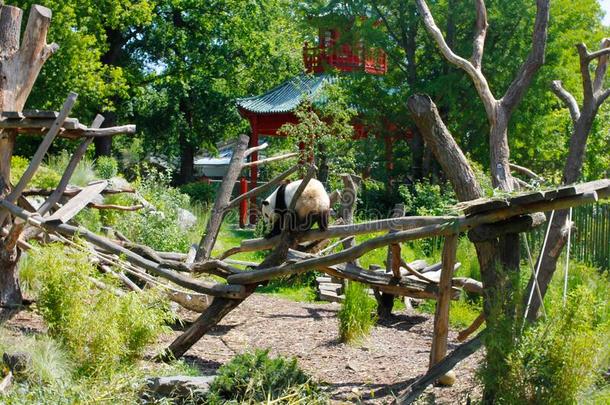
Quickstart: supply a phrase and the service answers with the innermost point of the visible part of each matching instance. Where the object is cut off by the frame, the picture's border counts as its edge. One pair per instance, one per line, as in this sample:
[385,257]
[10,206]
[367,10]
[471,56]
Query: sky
[606,7]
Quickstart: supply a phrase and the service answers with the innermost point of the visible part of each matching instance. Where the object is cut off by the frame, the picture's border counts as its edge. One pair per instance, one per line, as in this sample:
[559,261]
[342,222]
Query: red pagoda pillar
[253,177]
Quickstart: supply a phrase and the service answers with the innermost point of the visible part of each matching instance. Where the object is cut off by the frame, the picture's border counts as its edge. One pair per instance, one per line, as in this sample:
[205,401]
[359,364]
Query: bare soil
[393,356]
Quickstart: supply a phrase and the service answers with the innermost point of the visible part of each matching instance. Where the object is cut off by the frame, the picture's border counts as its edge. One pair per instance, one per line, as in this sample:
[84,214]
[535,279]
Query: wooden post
[222,200]
[243,205]
[441,316]
[253,177]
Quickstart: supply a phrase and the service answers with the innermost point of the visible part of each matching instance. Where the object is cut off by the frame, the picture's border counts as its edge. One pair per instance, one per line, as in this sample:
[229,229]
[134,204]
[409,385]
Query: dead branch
[413,391]
[271,159]
[463,335]
[115,207]
[69,230]
[222,200]
[525,171]
[258,148]
[261,189]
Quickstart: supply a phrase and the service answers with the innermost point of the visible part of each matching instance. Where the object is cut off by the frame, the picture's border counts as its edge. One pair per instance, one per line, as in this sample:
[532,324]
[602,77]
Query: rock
[118,183]
[179,386]
[186,219]
[448,379]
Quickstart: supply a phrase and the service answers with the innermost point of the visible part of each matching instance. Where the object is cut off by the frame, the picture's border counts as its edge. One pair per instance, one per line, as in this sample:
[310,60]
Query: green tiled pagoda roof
[287,96]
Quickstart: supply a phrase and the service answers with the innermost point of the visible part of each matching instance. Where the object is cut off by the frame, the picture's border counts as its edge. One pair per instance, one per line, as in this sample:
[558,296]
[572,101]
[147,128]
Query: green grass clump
[253,378]
[44,177]
[356,314]
[106,167]
[83,174]
[100,330]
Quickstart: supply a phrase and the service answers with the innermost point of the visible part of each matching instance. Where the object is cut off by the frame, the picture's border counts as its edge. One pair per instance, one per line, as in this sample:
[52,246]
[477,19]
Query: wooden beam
[77,203]
[40,153]
[413,391]
[67,175]
[222,200]
[441,316]
[519,224]
[217,290]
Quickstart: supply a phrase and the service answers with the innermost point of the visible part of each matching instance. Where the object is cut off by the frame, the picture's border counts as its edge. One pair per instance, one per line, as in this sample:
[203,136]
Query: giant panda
[313,206]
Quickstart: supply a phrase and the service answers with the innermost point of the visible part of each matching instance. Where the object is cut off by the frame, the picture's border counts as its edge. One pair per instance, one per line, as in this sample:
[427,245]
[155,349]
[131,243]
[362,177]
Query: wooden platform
[37,122]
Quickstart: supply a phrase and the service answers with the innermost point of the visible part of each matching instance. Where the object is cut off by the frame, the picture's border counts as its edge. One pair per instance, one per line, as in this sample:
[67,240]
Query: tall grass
[356,314]
[83,174]
[101,331]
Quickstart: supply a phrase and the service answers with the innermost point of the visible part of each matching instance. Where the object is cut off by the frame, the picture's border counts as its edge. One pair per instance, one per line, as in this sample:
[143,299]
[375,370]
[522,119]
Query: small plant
[200,191]
[106,167]
[159,228]
[100,330]
[253,378]
[356,315]
[44,177]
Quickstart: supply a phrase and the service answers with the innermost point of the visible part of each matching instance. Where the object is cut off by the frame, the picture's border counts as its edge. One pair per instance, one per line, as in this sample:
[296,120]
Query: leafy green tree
[92,58]
[203,55]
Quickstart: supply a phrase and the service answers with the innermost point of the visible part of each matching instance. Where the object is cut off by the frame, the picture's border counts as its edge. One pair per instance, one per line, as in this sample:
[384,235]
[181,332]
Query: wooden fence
[590,242]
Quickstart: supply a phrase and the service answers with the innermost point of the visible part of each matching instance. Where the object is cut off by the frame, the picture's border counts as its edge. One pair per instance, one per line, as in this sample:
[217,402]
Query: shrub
[427,199]
[106,167]
[256,378]
[356,315]
[100,330]
[43,178]
[558,358]
[158,228]
[200,191]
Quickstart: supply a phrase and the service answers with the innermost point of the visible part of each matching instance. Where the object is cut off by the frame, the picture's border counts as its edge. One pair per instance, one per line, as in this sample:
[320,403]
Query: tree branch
[587,86]
[535,59]
[567,98]
[602,65]
[477,76]
[481,32]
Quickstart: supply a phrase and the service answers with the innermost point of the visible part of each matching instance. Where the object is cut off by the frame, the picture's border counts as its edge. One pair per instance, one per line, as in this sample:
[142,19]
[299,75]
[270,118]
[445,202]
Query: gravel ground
[395,354]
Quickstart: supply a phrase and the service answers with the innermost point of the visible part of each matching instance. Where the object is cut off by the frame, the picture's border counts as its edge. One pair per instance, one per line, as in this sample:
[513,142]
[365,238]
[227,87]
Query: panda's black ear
[265,202]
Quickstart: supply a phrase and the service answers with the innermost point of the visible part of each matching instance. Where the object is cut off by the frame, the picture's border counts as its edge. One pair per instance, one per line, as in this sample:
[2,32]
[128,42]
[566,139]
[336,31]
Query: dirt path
[393,356]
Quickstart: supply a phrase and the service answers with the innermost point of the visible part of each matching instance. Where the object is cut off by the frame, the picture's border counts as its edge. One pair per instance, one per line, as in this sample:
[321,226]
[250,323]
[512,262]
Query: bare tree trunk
[593,97]
[19,68]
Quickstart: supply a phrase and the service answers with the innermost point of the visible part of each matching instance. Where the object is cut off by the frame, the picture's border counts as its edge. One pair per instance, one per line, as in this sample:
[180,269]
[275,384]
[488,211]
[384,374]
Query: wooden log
[381,281]
[457,224]
[271,159]
[468,284]
[441,316]
[108,131]
[343,231]
[220,290]
[206,321]
[72,191]
[463,335]
[413,391]
[519,224]
[65,178]
[77,203]
[222,200]
[525,171]
[40,153]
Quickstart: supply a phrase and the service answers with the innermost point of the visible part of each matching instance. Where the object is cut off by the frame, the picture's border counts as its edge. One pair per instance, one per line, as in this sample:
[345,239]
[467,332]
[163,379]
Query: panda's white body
[312,206]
